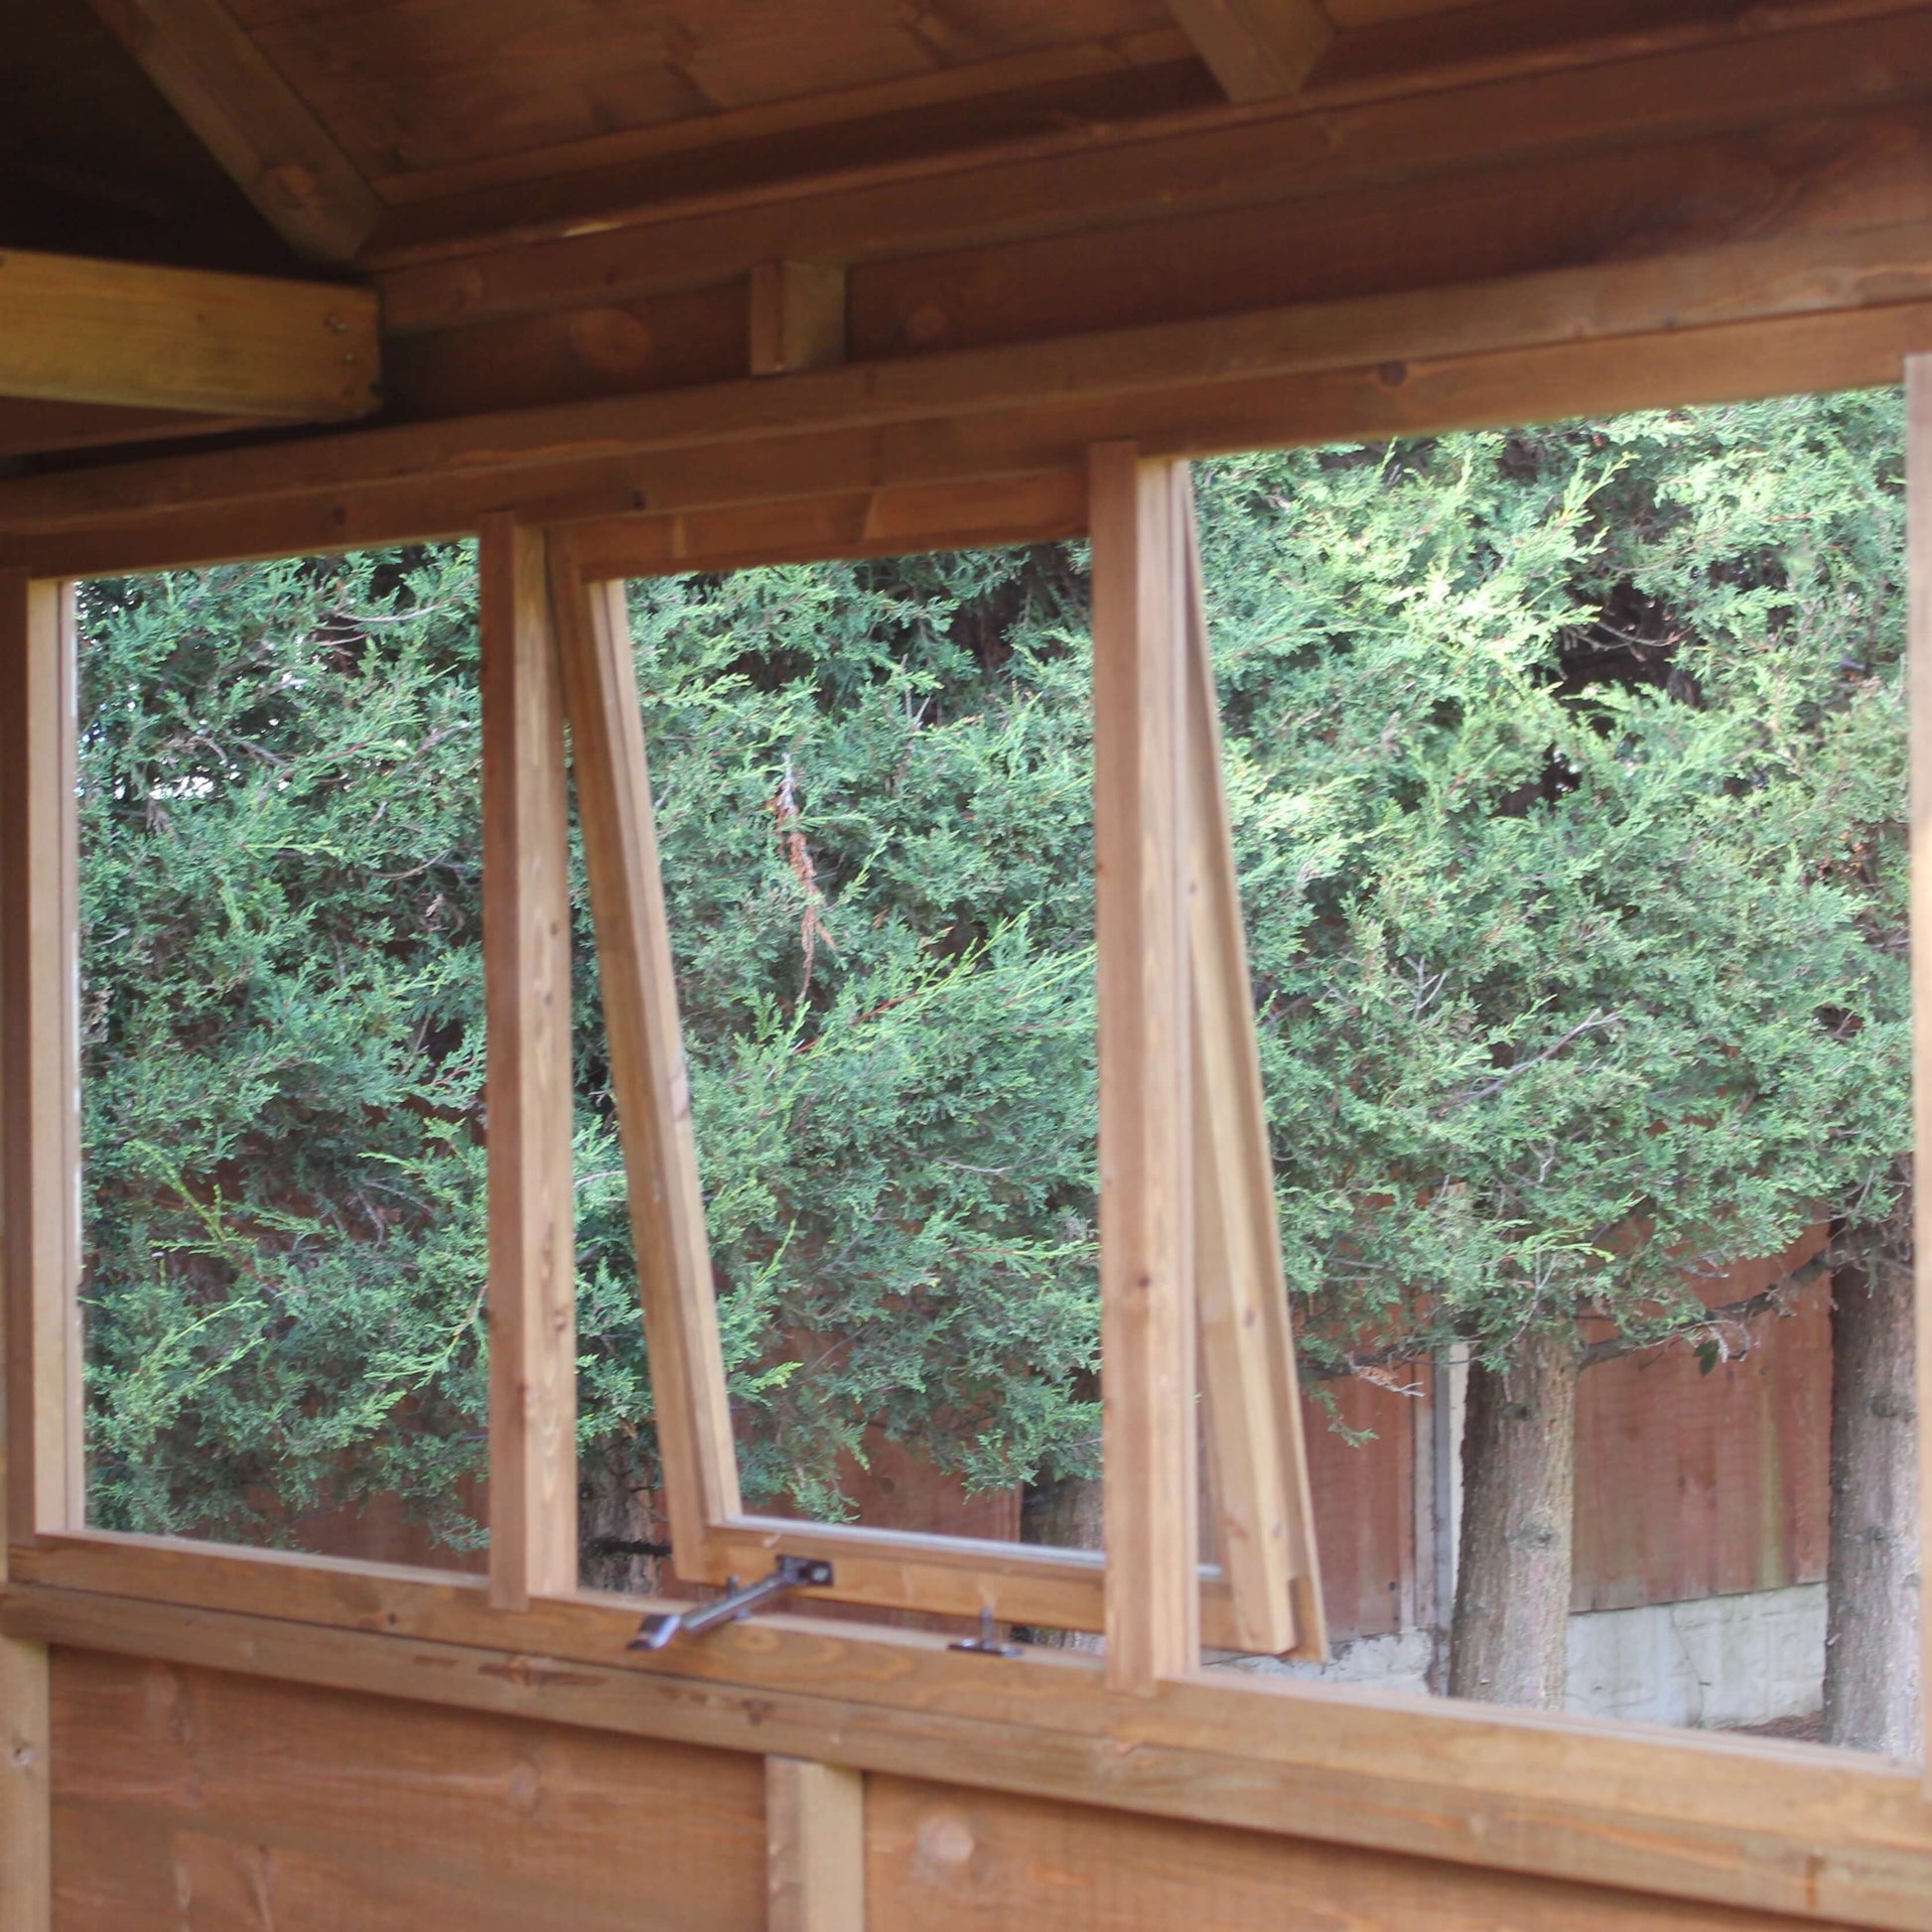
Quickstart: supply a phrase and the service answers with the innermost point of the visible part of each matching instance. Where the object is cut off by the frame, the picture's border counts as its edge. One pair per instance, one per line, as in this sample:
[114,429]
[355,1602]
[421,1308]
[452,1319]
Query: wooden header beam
[1720,325]
[76,331]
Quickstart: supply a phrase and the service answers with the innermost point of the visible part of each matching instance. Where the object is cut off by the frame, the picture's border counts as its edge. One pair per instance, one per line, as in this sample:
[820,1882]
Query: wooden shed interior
[631,286]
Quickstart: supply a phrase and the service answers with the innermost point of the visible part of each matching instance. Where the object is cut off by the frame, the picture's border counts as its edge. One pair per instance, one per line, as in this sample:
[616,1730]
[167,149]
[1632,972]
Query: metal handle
[791,1573]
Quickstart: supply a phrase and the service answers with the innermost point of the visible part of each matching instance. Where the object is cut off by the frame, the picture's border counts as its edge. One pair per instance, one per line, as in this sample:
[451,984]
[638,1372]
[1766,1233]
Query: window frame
[1189,1239]
[1747,1823]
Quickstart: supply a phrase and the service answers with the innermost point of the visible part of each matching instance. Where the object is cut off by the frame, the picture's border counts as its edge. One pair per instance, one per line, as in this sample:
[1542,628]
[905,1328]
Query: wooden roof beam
[251,120]
[1258,49]
[76,331]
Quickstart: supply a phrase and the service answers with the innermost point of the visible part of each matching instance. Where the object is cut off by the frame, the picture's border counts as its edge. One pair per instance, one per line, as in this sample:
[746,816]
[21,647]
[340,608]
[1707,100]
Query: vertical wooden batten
[815,1847]
[798,317]
[1918,558]
[526,968]
[1148,1344]
[39,1125]
[26,1810]
[647,1068]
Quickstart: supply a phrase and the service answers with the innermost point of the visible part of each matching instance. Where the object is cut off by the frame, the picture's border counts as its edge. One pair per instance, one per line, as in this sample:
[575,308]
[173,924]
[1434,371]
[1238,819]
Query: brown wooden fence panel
[1693,1486]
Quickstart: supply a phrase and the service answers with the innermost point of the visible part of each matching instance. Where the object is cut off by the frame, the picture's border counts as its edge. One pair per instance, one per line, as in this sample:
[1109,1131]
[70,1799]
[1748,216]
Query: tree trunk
[614,1505]
[1509,1640]
[1066,1515]
[1872,1646]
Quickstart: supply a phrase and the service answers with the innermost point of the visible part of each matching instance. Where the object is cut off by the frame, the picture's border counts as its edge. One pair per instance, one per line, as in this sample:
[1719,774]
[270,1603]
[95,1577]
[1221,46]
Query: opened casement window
[1195,1317]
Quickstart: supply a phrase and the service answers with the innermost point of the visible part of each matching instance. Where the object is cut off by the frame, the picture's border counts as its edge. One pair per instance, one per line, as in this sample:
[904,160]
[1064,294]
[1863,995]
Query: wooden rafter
[251,120]
[76,331]
[1258,49]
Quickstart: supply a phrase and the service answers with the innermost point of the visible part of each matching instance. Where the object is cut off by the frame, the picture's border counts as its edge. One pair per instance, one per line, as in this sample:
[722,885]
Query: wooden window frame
[1188,1238]
[1735,1822]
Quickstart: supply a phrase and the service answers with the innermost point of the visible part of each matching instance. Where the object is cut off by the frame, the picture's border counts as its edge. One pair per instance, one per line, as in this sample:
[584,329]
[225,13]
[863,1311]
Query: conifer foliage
[1568,775]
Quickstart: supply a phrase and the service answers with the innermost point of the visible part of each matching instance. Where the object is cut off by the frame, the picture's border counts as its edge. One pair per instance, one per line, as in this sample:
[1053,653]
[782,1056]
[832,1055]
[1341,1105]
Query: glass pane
[282,1055]
[1569,772]
[873,785]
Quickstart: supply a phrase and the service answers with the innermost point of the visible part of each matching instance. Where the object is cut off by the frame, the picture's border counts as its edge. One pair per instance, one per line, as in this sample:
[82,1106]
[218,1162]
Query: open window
[1193,1313]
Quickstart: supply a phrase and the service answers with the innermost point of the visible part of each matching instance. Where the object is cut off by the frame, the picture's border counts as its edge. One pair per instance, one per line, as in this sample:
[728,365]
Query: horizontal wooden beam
[77,330]
[1766,1828]
[860,524]
[1258,49]
[29,426]
[251,120]
[1735,81]
[1719,325]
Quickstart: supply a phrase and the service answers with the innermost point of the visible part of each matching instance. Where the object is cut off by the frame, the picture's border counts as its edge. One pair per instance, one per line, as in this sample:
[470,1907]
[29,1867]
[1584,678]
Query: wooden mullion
[39,1128]
[1146,1264]
[1253,1403]
[526,967]
[648,1076]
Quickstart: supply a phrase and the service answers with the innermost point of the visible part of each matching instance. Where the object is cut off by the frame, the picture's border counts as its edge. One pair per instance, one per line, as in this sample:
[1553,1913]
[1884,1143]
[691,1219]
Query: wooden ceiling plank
[252,121]
[975,81]
[1258,49]
[1678,91]
[76,331]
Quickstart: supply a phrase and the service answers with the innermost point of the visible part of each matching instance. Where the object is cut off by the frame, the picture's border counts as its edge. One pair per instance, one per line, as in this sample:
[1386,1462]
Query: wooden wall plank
[815,1847]
[26,1841]
[315,1809]
[1148,1337]
[653,1088]
[947,1860]
[250,120]
[1823,1835]
[1630,203]
[526,963]
[40,1115]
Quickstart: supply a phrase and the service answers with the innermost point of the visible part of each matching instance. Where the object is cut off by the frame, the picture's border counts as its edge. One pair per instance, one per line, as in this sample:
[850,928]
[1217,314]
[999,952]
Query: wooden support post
[26,1812]
[41,1468]
[815,1847]
[1148,1341]
[526,969]
[39,1118]
[1253,1407]
[798,317]
[1918,558]
[647,1068]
